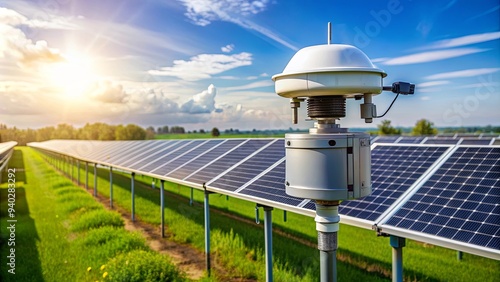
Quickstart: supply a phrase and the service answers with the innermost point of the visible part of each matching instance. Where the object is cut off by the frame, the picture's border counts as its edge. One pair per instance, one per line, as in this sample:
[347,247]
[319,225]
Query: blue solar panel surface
[204,159]
[251,167]
[394,170]
[208,173]
[410,140]
[386,139]
[202,148]
[449,141]
[460,201]
[469,141]
[272,186]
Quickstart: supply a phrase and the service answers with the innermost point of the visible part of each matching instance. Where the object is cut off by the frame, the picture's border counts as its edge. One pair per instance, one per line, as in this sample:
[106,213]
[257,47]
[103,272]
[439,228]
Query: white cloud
[228,48]
[107,92]
[432,83]
[464,40]
[13,18]
[202,103]
[235,11]
[253,85]
[204,65]
[462,73]
[432,56]
[204,12]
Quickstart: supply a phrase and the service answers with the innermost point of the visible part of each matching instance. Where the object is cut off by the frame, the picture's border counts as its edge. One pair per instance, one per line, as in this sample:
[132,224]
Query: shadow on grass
[16,162]
[24,236]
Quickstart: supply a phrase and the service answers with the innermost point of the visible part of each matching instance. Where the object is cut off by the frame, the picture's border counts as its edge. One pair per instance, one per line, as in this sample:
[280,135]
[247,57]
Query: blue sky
[209,63]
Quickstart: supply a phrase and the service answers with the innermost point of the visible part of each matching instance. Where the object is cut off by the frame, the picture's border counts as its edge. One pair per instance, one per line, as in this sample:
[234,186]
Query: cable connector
[400,87]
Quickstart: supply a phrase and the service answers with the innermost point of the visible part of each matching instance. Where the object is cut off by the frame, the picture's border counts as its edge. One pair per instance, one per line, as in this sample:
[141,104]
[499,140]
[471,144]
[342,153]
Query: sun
[71,77]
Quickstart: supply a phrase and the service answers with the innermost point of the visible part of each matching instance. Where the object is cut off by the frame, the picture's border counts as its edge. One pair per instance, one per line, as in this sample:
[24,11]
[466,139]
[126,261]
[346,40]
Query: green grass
[239,246]
[62,233]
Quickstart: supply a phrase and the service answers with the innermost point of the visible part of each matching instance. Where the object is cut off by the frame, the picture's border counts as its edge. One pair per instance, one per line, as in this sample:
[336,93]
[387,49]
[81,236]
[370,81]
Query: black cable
[389,107]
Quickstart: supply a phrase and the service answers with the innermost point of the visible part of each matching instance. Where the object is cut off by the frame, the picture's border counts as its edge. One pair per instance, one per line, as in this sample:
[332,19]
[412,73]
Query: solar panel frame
[418,202]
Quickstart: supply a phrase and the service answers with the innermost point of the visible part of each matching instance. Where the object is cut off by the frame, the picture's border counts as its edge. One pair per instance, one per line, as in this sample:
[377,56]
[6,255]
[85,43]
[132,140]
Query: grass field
[63,234]
[237,245]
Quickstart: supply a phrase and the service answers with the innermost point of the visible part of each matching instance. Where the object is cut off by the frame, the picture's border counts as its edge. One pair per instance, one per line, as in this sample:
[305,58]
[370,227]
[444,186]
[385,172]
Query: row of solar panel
[5,152]
[436,140]
[254,169]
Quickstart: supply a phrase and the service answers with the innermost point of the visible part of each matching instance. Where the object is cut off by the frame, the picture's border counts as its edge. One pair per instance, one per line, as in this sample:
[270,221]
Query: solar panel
[160,147]
[394,170]
[168,149]
[204,159]
[177,151]
[497,141]
[410,140]
[460,201]
[386,139]
[206,174]
[168,167]
[469,141]
[271,186]
[443,140]
[252,167]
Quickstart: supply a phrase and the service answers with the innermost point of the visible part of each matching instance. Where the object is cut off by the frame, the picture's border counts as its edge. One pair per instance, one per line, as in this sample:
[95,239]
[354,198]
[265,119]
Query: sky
[208,63]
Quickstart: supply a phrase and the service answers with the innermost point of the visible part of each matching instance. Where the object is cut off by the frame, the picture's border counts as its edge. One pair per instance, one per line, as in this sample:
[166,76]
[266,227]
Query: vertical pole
[86,175]
[397,244]
[78,171]
[268,235]
[132,192]
[327,224]
[70,165]
[162,206]
[460,255]
[191,198]
[111,187]
[95,180]
[206,205]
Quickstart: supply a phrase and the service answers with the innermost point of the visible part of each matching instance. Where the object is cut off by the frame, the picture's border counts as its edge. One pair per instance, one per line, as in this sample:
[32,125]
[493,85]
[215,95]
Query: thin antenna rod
[329,32]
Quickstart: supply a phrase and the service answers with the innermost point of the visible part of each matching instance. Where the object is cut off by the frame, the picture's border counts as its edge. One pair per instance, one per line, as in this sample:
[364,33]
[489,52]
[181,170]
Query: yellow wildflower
[103,266]
[104,274]
[89,268]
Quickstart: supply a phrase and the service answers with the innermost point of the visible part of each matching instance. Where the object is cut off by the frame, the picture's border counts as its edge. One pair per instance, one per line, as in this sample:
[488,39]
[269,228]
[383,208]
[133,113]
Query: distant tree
[150,133]
[165,129]
[202,131]
[424,127]
[177,129]
[130,132]
[64,131]
[385,128]
[194,131]
[215,132]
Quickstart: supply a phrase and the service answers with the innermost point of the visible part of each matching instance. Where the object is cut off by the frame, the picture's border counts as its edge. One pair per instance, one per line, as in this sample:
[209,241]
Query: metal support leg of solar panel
[86,175]
[132,195]
[110,187]
[95,180]
[268,238]
[206,205]
[397,244]
[162,207]
[78,171]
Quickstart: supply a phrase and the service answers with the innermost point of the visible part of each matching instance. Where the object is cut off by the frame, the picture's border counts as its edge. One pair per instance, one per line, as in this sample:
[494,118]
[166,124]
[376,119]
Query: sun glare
[72,77]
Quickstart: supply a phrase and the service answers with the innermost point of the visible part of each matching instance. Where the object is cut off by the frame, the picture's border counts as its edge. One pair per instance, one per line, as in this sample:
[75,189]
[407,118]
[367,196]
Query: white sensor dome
[333,69]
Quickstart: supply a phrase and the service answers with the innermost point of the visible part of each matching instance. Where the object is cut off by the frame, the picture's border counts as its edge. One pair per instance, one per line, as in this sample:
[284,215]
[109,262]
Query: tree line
[94,131]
